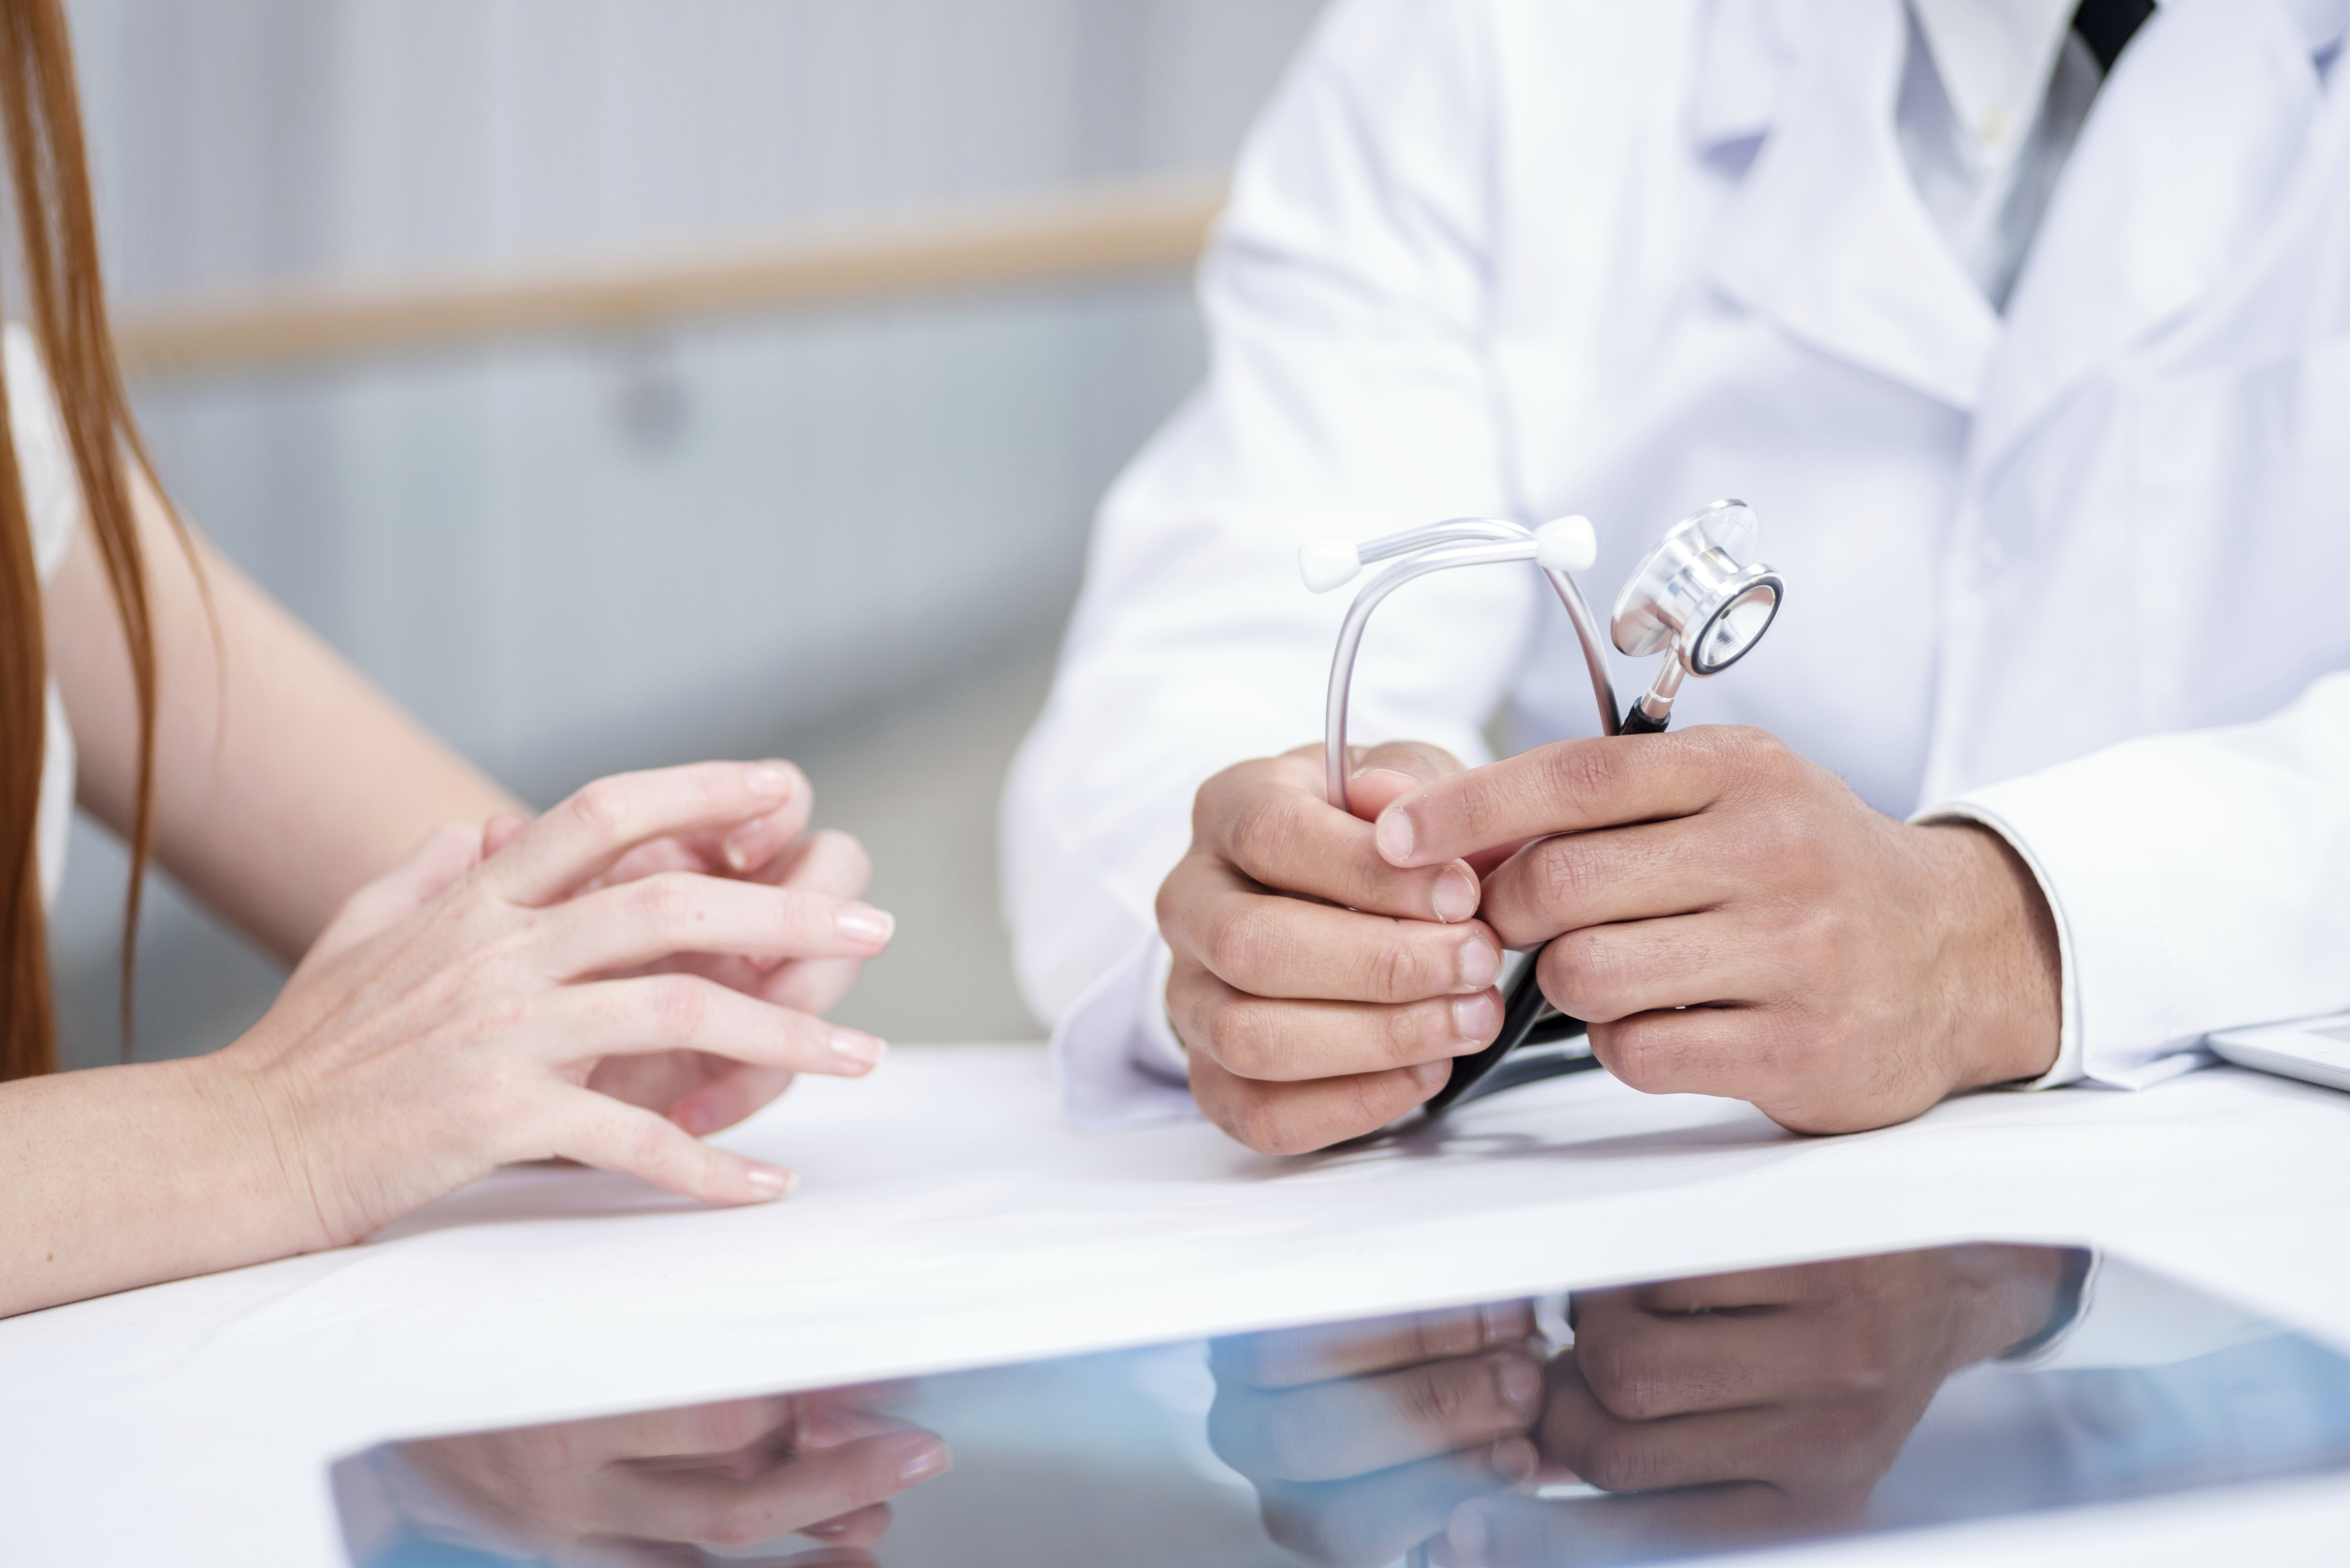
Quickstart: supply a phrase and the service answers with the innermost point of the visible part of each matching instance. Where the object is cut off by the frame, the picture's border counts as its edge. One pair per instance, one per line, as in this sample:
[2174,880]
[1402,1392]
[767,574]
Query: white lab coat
[2078,574]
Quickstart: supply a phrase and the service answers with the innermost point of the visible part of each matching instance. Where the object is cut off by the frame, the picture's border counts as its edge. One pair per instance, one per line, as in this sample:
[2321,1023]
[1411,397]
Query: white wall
[576,556]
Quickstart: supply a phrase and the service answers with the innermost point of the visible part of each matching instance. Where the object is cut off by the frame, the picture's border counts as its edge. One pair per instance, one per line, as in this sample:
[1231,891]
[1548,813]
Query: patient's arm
[285,780]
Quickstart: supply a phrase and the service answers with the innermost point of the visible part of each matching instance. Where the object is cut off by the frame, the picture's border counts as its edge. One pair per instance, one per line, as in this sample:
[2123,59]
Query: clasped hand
[546,990]
[1728,917]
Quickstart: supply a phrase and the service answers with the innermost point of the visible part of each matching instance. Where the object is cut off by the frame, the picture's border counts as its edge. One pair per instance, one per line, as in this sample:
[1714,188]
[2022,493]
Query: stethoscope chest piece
[1697,594]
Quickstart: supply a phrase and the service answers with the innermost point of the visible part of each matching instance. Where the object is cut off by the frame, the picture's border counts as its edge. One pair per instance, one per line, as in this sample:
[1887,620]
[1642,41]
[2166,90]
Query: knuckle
[1262,831]
[1437,1400]
[1580,770]
[680,1005]
[1247,945]
[1404,970]
[1247,1037]
[601,808]
[1622,1380]
[661,903]
[738,1521]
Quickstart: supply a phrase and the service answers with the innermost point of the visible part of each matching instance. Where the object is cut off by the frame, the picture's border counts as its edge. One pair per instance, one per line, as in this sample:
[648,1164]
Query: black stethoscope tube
[1522,1014]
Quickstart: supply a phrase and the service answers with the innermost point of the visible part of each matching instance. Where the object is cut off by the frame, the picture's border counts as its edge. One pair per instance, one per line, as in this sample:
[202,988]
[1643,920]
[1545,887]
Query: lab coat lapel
[1827,237]
[2175,173]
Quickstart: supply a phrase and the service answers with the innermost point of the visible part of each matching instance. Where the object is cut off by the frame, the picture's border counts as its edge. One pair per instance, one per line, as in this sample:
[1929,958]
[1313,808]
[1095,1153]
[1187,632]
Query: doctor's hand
[700,1091]
[1744,1408]
[1732,920]
[1361,1439]
[1319,991]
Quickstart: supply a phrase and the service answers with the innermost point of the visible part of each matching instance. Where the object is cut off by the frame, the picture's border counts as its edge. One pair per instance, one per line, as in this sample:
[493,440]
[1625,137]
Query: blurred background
[622,382]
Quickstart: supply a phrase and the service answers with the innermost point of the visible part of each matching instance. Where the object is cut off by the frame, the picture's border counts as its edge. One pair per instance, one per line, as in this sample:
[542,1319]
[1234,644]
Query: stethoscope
[1697,594]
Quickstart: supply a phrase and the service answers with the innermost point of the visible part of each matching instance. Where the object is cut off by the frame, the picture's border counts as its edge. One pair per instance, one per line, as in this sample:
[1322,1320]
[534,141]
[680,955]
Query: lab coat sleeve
[1348,393]
[2200,881]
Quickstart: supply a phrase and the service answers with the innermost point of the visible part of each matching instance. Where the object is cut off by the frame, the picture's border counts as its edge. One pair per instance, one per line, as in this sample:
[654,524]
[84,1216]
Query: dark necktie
[2108,26]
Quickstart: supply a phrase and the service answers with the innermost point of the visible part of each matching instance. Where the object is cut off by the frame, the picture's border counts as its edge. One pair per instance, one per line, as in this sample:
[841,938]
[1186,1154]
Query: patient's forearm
[121,1176]
[283,779]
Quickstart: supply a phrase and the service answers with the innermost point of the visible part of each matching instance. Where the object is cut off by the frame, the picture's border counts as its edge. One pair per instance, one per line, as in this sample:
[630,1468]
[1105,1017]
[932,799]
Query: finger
[1642,1365]
[750,847]
[1749,1442]
[1602,974]
[500,831]
[1293,1041]
[1391,770]
[1377,1519]
[1296,1118]
[584,837]
[812,1488]
[1271,820]
[696,1430]
[733,1097]
[1610,875]
[1732,1052]
[1354,1426]
[678,912]
[1287,1358]
[598,1130]
[1268,945]
[829,862]
[1568,786]
[687,1013]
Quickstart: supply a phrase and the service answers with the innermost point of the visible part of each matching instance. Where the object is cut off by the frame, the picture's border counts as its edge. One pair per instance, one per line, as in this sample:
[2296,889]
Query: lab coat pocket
[2239,549]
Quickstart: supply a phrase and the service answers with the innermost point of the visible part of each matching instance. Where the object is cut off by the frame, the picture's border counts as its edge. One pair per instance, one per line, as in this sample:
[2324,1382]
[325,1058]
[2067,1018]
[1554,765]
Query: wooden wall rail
[1089,234]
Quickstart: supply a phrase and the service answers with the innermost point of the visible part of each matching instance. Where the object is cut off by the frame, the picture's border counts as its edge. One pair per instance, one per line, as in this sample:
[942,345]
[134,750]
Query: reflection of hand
[631,1487]
[1362,1439]
[1756,1405]
[1320,992]
[700,1091]
[1734,921]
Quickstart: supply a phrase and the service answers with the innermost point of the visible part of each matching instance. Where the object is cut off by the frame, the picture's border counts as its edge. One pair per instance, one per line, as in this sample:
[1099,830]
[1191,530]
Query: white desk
[949,1217]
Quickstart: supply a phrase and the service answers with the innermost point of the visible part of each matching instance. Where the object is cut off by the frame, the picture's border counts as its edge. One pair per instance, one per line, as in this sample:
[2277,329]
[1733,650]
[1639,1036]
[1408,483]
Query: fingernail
[921,1456]
[770,1183]
[864,923]
[745,843]
[1473,1016]
[770,781]
[1480,964]
[1430,1077]
[1467,1533]
[1520,1382]
[858,1050]
[826,1531]
[1456,894]
[1394,835]
[693,1117]
[1514,1459]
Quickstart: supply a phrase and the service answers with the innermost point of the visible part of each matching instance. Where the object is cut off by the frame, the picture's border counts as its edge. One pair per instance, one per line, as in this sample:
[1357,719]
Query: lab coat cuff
[2067,1067]
[1114,1070]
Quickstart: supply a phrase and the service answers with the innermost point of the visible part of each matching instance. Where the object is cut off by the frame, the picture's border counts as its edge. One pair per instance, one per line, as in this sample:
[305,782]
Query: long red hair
[67,300]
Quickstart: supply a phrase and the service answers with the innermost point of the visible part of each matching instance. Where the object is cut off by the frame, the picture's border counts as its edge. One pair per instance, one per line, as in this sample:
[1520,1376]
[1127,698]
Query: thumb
[1387,773]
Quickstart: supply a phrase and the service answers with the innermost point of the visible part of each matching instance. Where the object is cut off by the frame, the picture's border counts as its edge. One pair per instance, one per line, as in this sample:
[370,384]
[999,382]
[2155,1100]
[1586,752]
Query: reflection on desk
[1615,1426]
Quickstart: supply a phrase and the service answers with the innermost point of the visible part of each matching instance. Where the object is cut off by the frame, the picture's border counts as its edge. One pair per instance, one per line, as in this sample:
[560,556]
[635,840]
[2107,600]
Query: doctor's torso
[2008,540]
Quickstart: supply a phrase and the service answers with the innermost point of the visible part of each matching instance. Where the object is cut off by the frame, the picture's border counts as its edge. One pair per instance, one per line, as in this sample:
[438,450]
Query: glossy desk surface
[948,1219]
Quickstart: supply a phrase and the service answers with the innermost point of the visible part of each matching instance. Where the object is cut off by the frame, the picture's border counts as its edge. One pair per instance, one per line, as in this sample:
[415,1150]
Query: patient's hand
[1752,1407]
[698,1091]
[1732,920]
[1363,1439]
[629,1488]
[1319,991]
